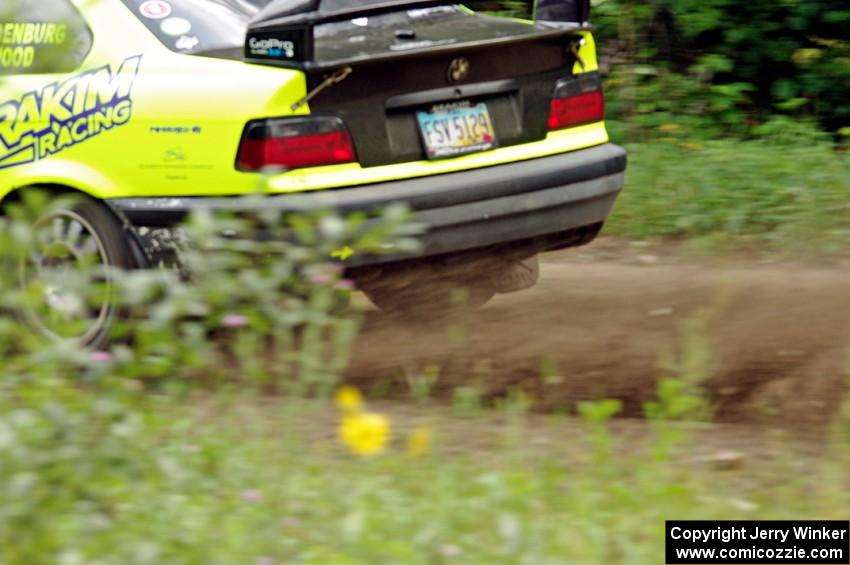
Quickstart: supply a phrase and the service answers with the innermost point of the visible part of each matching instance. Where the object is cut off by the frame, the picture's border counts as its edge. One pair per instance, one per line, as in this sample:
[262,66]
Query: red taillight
[295,143]
[576,110]
[577,101]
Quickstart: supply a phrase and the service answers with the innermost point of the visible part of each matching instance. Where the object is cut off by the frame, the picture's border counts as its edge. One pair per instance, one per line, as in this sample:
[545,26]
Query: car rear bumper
[537,199]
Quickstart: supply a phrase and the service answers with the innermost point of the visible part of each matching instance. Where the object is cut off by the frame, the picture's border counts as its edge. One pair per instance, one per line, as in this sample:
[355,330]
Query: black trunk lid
[405,60]
[509,67]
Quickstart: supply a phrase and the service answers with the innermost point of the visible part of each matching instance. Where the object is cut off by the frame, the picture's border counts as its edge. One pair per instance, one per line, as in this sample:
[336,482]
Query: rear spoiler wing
[283,33]
[561,12]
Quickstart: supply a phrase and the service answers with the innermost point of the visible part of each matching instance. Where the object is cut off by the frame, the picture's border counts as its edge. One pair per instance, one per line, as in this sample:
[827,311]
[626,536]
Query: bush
[94,449]
[719,66]
[728,64]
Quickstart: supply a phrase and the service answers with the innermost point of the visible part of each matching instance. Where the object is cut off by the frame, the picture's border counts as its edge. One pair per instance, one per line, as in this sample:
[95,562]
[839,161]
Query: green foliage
[775,193]
[251,488]
[681,392]
[744,62]
[675,401]
[167,449]
[719,66]
[597,413]
[88,454]
[509,8]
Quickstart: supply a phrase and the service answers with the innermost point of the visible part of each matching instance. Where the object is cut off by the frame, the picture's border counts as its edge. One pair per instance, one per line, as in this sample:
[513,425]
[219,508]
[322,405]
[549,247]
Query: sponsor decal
[271,47]
[155,9]
[175,26]
[64,114]
[187,43]
[180,130]
[175,154]
[19,40]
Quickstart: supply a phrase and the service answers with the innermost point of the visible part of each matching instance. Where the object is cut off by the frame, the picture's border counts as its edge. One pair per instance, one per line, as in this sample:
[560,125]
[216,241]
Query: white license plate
[448,132]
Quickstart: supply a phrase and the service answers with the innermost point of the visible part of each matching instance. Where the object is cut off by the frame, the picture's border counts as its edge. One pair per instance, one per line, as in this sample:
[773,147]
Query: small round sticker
[155,9]
[175,26]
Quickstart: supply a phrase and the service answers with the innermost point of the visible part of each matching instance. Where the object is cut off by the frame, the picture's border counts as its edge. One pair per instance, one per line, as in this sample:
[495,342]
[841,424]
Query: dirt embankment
[607,321]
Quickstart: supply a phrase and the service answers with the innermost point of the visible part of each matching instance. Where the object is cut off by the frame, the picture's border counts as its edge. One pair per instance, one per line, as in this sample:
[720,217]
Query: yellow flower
[419,441]
[692,146]
[670,128]
[349,399]
[365,433]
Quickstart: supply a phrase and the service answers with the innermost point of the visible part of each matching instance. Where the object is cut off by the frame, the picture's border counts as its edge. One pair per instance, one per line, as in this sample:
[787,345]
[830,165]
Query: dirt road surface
[770,339]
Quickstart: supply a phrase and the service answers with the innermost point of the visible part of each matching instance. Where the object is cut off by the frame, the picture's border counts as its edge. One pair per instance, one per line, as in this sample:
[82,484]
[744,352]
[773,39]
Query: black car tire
[105,241]
[431,300]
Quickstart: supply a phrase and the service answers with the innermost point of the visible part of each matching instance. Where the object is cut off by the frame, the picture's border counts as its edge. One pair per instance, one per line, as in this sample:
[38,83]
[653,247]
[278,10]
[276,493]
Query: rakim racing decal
[64,114]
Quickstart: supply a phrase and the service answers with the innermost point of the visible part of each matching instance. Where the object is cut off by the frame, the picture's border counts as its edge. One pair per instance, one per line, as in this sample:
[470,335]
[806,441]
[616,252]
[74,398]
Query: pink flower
[101,356]
[345,284]
[234,321]
[320,278]
[325,274]
[252,496]
[265,560]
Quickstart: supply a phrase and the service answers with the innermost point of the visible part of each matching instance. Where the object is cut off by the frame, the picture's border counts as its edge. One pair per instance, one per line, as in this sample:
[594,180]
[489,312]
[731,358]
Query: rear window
[197,26]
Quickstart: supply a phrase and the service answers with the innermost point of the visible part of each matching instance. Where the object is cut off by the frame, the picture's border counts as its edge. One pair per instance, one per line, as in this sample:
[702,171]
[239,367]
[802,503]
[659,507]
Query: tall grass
[768,194]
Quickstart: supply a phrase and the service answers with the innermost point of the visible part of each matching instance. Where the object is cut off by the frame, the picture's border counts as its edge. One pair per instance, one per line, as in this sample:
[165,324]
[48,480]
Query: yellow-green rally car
[489,129]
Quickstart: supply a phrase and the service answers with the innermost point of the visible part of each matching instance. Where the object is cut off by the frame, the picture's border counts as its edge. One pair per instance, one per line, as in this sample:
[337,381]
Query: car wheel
[68,274]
